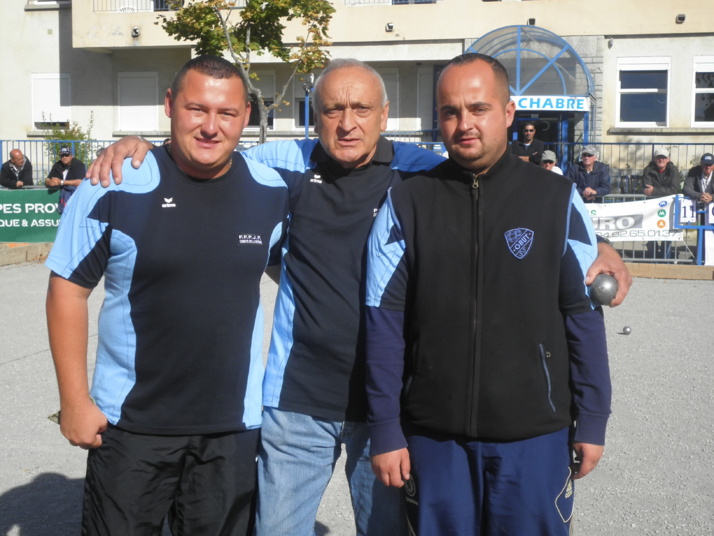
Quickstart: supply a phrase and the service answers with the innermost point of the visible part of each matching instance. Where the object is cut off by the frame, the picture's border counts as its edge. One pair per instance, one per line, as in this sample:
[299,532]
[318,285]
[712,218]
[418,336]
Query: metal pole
[308,83]
[307,112]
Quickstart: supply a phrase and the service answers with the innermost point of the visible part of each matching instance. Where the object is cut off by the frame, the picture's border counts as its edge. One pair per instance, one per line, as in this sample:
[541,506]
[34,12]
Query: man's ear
[247,114]
[510,112]
[168,103]
[385,117]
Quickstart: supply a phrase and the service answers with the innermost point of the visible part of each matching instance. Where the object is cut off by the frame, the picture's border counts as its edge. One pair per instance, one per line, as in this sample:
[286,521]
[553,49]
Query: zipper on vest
[471,423]
[544,359]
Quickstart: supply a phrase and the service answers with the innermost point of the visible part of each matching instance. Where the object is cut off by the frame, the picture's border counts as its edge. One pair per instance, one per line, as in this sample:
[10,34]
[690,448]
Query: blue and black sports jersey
[315,364]
[180,331]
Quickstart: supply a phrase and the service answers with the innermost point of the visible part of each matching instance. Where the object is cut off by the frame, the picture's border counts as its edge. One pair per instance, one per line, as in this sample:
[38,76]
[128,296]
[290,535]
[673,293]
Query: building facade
[587,72]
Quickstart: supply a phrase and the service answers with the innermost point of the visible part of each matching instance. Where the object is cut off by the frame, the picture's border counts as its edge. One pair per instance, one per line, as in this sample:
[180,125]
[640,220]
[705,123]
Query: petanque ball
[603,289]
[627,330]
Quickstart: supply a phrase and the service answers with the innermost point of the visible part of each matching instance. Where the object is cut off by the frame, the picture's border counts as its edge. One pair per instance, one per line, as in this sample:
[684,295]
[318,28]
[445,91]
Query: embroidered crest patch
[519,241]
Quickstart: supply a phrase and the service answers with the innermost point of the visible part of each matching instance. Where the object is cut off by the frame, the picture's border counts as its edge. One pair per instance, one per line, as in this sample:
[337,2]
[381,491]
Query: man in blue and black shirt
[175,409]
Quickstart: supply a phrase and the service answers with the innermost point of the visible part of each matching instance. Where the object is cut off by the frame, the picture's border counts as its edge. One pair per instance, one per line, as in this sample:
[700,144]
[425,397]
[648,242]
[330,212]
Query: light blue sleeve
[385,267]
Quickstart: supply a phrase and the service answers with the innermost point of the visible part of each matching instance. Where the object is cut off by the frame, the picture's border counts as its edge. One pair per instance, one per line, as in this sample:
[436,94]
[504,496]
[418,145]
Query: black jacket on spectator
[534,151]
[692,185]
[8,178]
[665,183]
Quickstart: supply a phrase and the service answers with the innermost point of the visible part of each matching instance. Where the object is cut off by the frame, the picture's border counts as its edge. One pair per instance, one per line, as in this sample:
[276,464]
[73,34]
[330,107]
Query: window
[254,121]
[426,115]
[48,3]
[138,102]
[391,84]
[266,83]
[643,88]
[51,100]
[703,91]
[300,109]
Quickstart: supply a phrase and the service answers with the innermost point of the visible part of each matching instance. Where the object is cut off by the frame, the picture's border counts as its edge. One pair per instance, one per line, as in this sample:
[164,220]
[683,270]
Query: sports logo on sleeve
[519,241]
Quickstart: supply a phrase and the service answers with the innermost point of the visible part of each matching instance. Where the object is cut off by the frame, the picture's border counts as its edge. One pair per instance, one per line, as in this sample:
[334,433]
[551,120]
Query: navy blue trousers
[476,488]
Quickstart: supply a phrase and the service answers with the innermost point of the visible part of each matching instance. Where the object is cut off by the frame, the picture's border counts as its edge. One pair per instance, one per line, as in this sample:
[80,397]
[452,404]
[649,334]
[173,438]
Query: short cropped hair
[213,66]
[343,63]
[498,69]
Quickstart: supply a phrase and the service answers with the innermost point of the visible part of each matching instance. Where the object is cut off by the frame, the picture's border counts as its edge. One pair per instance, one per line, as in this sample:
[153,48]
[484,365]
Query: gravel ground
[656,476]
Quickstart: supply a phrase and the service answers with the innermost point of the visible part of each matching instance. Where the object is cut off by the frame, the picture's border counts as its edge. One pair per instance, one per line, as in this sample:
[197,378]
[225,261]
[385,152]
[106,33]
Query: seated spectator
[16,172]
[67,173]
[529,149]
[661,177]
[549,161]
[592,178]
[699,185]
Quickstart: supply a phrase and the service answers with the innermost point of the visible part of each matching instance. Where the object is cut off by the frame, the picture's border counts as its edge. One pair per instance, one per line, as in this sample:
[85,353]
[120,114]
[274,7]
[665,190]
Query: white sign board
[556,103]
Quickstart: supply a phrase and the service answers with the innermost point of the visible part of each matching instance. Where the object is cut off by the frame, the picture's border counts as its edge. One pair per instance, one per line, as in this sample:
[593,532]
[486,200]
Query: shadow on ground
[50,504]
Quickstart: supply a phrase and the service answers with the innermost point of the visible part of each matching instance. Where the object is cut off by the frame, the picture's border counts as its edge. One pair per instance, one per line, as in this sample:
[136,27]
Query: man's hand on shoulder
[112,159]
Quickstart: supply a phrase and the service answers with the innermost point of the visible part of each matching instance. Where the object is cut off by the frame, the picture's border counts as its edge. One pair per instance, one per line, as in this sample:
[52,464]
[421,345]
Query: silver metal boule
[627,330]
[603,289]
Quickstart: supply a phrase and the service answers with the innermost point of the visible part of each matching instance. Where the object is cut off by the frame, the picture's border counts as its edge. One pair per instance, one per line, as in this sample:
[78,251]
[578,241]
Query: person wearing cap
[592,178]
[529,149]
[661,177]
[16,172]
[699,185]
[548,162]
[67,173]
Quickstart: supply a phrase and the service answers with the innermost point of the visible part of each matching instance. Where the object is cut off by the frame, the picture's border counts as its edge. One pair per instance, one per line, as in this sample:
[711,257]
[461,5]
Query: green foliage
[258,28]
[72,135]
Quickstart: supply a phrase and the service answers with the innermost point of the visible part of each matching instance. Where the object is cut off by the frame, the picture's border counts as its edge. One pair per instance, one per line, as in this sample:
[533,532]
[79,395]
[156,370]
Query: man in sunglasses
[529,149]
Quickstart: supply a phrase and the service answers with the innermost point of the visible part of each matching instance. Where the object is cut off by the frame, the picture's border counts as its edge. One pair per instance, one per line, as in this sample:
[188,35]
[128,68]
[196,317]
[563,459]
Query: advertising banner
[638,221]
[28,215]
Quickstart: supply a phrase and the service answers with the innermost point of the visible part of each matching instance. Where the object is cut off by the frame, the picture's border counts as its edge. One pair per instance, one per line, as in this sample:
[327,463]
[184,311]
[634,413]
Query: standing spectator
[592,178]
[492,369]
[173,422]
[661,177]
[549,162]
[529,149]
[16,172]
[67,173]
[699,185]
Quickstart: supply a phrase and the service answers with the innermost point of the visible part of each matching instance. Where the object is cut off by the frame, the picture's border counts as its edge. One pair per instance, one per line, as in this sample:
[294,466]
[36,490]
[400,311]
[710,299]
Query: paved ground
[657,476]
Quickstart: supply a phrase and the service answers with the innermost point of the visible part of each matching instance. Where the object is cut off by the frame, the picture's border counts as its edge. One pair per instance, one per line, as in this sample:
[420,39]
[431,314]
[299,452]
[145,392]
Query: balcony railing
[141,6]
[388,2]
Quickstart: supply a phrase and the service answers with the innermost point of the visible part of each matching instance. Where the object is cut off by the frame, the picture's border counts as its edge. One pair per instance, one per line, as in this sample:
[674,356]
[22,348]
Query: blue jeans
[296,459]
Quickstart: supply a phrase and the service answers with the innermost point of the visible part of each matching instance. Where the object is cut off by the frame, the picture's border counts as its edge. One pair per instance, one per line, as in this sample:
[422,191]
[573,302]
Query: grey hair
[344,63]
